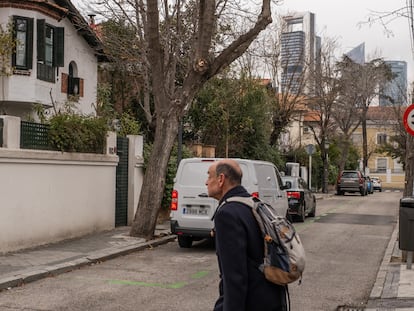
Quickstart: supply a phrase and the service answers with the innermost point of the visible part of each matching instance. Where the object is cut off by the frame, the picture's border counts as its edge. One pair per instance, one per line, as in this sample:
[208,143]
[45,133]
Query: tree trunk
[154,180]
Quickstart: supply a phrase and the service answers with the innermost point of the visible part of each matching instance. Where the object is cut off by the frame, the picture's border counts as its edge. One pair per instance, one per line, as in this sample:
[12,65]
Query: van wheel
[185,241]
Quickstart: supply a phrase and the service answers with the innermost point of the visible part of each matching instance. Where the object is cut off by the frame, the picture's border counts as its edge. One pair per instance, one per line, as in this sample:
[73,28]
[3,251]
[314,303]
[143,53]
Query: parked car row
[353,181]
[192,209]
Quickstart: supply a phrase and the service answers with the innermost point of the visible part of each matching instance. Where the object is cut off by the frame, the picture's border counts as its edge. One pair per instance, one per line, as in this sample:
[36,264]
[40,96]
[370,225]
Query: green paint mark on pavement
[145,284]
[199,275]
[178,285]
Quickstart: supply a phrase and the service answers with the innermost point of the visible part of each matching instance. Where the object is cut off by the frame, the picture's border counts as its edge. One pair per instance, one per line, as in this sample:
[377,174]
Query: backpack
[284,255]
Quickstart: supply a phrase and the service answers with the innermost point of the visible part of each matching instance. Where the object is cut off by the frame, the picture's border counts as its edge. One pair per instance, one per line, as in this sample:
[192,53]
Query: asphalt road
[345,244]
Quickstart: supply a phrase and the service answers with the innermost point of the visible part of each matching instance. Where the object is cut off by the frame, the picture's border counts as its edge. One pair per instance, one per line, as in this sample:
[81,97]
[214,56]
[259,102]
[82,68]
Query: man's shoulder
[232,205]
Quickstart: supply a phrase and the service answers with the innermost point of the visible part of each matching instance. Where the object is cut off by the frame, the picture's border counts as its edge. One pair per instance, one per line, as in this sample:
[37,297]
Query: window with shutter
[381,165]
[22,58]
[50,50]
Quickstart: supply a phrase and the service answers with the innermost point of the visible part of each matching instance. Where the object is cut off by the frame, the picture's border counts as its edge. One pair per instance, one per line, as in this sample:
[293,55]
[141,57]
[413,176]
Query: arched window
[73,80]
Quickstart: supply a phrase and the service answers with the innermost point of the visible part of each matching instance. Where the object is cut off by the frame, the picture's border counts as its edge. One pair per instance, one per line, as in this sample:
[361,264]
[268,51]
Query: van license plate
[195,210]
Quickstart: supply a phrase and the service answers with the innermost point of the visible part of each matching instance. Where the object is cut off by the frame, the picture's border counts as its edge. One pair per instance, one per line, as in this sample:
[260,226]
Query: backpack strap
[251,202]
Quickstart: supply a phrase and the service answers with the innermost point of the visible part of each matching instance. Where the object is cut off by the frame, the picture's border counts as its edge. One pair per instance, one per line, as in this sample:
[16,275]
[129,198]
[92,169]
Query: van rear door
[194,207]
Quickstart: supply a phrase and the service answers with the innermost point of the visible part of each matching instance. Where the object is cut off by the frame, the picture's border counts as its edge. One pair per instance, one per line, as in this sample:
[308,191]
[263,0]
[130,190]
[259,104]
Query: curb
[378,287]
[36,273]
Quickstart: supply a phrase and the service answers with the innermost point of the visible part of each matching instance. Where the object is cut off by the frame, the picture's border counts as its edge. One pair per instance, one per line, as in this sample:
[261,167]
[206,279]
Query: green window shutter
[59,47]
[29,52]
[14,39]
[41,28]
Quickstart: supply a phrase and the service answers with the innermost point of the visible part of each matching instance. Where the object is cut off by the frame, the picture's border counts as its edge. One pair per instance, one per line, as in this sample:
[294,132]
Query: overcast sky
[340,18]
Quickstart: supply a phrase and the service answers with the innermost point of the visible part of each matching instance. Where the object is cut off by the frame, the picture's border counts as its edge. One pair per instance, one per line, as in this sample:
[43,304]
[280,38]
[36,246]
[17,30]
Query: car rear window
[291,180]
[350,175]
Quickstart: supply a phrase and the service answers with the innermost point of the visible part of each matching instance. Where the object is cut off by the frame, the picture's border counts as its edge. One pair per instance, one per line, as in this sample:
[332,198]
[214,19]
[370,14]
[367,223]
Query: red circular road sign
[409,119]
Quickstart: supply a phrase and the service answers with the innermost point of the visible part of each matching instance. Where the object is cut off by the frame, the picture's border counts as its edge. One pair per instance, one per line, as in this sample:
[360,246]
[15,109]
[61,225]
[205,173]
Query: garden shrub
[70,132]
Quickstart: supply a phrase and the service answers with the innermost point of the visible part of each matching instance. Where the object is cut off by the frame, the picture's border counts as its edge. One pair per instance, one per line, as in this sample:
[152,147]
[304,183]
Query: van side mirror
[287,185]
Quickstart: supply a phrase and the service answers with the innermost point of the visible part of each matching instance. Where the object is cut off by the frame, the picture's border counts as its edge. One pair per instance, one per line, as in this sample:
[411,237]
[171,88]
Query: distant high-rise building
[395,92]
[299,51]
[357,54]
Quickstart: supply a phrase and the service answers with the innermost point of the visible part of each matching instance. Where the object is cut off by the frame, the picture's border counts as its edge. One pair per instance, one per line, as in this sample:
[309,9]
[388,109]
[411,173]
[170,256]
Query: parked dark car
[301,199]
[351,181]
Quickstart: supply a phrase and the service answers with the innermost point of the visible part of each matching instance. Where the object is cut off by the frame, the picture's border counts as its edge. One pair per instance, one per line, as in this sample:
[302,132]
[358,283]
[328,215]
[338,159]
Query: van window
[266,176]
[194,174]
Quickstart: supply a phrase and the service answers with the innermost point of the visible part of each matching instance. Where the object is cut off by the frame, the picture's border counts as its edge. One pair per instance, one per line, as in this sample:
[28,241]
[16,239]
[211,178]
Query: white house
[55,58]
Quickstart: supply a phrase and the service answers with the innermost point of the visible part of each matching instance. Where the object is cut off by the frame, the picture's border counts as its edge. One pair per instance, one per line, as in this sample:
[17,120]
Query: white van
[192,209]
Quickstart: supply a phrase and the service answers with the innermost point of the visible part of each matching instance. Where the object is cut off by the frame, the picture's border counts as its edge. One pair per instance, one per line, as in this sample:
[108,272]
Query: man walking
[239,247]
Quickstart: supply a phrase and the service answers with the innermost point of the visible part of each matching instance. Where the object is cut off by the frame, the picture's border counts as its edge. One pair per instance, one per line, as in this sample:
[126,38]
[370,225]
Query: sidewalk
[394,286]
[29,265]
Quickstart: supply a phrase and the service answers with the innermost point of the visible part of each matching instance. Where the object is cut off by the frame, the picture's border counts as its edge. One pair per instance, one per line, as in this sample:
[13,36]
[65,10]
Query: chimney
[92,20]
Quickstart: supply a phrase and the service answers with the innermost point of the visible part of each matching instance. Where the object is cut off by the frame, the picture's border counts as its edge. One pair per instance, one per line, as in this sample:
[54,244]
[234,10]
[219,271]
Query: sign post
[310,149]
[408,120]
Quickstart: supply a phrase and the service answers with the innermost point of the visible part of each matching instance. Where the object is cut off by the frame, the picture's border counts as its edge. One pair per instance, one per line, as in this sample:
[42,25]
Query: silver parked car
[376,183]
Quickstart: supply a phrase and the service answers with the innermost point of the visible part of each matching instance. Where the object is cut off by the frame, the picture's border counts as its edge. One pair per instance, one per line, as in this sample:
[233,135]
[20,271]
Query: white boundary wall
[48,196]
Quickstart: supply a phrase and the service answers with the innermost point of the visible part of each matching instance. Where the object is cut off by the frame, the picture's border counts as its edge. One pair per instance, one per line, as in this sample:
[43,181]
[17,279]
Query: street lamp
[325,166]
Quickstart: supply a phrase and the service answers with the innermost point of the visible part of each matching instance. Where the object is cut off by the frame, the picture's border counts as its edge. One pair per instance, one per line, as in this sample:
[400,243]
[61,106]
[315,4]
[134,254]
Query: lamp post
[325,166]
[310,149]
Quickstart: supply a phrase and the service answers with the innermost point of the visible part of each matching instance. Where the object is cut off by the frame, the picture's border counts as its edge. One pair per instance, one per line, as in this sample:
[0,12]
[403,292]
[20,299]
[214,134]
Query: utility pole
[409,167]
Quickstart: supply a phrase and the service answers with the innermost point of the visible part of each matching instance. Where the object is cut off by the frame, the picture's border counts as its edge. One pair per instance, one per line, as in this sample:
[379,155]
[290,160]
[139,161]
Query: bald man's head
[223,175]
[231,169]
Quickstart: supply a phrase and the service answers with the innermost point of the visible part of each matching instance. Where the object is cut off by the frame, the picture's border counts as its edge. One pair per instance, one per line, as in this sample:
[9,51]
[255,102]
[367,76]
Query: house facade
[382,123]
[55,58]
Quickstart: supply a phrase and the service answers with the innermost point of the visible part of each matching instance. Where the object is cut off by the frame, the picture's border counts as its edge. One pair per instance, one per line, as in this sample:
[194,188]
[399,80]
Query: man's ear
[222,178]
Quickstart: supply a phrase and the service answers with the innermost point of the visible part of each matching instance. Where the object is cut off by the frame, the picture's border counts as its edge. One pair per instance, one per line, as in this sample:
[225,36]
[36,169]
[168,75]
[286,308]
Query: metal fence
[34,136]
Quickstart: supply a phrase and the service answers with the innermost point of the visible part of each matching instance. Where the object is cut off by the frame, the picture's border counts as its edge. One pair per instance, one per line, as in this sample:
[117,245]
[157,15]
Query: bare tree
[367,85]
[346,112]
[177,46]
[326,87]
[385,18]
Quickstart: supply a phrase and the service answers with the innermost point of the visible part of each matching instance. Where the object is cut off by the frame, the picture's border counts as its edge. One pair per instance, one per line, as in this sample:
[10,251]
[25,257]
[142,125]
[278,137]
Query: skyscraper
[299,52]
[395,91]
[357,54]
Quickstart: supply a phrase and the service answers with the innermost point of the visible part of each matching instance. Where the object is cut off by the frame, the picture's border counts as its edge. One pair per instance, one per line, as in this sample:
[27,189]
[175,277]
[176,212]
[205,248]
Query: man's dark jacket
[239,246]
